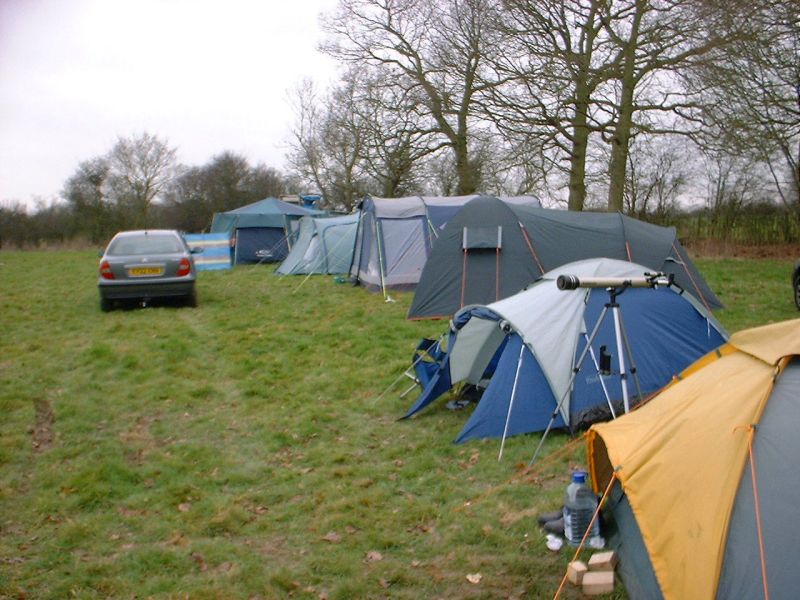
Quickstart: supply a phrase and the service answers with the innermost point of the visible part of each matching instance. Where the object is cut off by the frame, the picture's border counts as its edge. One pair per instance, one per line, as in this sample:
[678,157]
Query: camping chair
[426,360]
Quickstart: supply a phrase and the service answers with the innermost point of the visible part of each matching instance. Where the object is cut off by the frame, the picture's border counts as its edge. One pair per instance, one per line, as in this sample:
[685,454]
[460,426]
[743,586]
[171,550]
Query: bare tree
[306,155]
[734,183]
[655,178]
[140,168]
[434,52]
[553,59]
[327,146]
[614,67]
[755,97]
[394,143]
[657,41]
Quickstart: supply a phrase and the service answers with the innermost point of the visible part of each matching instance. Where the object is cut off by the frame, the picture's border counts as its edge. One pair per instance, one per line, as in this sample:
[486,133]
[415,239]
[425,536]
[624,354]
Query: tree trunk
[620,142]
[580,120]
[465,172]
[580,142]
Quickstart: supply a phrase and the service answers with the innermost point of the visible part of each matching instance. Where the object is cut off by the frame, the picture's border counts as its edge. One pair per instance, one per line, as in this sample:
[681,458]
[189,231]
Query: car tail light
[105,270]
[184,268]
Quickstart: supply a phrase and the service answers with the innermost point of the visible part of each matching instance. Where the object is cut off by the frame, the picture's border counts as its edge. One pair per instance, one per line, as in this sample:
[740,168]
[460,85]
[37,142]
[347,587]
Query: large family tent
[705,490]
[263,230]
[395,236]
[323,245]
[529,344]
[490,250]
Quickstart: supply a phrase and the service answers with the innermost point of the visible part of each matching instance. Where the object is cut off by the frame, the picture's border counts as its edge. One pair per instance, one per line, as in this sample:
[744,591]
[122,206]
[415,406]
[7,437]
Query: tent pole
[511,400]
[356,246]
[689,275]
[497,274]
[378,239]
[530,246]
[572,377]
[463,278]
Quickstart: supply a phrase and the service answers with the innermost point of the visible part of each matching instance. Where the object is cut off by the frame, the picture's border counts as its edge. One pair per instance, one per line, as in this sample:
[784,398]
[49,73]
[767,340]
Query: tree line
[138,184]
[622,105]
[650,107]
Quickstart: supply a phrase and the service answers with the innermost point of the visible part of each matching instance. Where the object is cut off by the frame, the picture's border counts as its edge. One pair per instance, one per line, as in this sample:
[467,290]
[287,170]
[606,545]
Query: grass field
[243,449]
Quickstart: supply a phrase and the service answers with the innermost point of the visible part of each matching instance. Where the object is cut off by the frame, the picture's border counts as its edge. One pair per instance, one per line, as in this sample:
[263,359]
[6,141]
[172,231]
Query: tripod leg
[623,375]
[575,371]
[632,369]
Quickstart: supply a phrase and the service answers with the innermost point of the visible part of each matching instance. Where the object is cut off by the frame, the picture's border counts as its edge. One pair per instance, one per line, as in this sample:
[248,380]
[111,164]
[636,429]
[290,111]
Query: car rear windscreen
[145,244]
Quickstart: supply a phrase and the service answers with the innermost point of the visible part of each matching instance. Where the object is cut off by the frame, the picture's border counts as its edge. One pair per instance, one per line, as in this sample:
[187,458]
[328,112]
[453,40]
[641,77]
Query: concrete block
[575,571]
[603,561]
[597,582]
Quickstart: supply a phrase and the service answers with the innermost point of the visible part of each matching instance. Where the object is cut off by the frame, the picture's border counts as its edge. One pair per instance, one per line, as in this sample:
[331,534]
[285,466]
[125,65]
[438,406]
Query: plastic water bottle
[580,504]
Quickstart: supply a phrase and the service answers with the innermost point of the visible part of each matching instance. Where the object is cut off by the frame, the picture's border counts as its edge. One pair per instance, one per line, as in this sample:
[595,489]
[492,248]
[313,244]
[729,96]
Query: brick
[575,571]
[603,561]
[597,582]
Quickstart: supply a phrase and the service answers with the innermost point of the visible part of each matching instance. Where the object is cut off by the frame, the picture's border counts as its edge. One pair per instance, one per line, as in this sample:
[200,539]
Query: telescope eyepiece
[568,282]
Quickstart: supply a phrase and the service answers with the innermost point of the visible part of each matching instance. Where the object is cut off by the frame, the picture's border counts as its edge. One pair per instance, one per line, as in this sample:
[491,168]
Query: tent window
[482,237]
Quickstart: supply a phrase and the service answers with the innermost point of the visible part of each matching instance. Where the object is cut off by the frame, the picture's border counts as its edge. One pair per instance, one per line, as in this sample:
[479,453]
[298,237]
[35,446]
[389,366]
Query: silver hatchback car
[147,265]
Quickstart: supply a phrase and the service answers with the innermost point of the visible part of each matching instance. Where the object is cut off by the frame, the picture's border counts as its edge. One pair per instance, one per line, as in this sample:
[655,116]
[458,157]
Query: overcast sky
[206,75]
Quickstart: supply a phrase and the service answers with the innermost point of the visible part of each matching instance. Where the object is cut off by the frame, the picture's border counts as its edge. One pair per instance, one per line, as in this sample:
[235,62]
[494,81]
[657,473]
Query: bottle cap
[579,476]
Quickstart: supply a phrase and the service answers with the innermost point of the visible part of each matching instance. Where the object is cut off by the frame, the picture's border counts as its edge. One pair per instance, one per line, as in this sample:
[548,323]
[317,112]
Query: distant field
[243,449]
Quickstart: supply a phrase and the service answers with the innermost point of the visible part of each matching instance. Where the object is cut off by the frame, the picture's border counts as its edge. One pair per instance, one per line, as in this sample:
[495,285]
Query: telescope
[650,280]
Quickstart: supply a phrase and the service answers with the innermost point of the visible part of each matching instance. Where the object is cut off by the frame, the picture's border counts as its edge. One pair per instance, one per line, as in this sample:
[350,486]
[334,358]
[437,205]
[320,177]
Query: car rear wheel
[191,299]
[106,305]
[797,292]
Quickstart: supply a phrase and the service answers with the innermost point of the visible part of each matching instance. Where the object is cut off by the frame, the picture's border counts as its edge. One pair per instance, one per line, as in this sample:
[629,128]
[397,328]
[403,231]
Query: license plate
[145,271]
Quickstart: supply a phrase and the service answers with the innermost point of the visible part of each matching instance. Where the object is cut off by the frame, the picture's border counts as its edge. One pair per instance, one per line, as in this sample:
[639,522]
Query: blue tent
[263,230]
[535,339]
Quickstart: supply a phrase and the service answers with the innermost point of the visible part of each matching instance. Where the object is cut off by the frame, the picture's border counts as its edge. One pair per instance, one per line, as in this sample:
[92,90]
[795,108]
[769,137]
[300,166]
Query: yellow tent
[683,467]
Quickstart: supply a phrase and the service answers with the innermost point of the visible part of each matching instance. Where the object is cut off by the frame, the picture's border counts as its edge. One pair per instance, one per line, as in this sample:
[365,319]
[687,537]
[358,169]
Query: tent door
[481,239]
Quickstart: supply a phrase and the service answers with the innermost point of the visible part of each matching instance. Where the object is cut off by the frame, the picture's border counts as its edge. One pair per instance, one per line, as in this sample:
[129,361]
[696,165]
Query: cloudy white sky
[206,75]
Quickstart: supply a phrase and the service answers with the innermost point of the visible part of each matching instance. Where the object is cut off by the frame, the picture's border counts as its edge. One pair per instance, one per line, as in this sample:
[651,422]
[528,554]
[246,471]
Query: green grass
[243,449]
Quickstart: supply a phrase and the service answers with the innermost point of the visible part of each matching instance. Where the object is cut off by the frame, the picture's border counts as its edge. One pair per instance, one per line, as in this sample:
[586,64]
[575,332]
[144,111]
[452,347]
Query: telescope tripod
[603,367]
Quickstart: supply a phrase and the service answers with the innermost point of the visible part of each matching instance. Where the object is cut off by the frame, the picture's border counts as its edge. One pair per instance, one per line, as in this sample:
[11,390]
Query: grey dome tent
[395,236]
[528,346]
[262,230]
[324,245]
[490,250]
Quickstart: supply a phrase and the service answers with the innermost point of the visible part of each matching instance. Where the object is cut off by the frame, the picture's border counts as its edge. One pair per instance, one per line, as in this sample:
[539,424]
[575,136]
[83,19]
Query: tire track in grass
[42,431]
